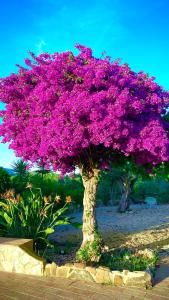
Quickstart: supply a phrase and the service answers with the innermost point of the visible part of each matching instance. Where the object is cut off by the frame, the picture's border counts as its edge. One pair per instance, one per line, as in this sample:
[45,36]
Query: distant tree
[19,168]
[4,180]
[21,175]
[131,174]
[124,173]
[41,170]
[71,111]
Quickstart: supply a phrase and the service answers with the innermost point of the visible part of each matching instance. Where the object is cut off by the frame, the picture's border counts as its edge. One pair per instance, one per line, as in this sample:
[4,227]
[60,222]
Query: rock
[150,202]
[62,272]
[118,280]
[102,275]
[80,265]
[125,272]
[7,266]
[47,271]
[81,275]
[70,265]
[16,255]
[139,278]
[91,270]
[53,269]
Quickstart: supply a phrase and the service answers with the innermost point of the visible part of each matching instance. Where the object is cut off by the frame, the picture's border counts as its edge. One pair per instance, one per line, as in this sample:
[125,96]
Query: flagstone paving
[24,287]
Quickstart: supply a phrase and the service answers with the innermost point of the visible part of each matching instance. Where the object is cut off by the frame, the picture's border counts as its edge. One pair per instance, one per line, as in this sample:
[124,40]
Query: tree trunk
[90,183]
[123,204]
[128,185]
[124,201]
[90,235]
[111,193]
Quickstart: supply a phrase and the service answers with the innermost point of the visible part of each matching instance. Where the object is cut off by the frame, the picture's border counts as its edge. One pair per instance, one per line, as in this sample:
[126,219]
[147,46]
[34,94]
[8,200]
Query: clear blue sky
[136,31]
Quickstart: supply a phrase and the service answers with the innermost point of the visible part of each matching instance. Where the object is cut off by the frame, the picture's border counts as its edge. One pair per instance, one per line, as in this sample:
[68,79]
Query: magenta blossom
[66,111]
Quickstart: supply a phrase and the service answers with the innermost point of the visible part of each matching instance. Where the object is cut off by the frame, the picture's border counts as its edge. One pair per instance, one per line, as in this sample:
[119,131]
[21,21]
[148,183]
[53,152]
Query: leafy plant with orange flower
[31,217]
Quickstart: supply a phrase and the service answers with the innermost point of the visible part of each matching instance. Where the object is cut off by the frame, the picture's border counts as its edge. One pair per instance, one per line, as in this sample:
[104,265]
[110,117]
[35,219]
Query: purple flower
[67,110]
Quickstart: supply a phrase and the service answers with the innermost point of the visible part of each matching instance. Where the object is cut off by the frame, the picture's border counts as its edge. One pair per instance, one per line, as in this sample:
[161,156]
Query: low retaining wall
[16,255]
[99,275]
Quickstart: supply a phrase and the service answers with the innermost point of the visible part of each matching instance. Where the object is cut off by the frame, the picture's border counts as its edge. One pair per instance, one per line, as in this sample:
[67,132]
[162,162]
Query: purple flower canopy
[65,110]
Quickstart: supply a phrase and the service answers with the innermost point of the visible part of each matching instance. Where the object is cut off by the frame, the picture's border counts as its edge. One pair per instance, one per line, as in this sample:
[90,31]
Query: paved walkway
[23,287]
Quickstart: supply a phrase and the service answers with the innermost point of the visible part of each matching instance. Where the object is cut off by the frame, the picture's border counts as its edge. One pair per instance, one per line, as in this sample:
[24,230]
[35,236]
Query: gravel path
[142,224]
[136,220]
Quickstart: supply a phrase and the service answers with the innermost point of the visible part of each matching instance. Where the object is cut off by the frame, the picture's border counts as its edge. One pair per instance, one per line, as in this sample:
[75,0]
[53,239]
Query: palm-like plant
[21,176]
[41,170]
[20,168]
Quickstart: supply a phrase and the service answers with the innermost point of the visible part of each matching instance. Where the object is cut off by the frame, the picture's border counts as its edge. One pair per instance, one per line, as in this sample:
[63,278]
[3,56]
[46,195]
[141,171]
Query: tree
[131,172]
[123,174]
[68,111]
[4,181]
[20,179]
[125,181]
[41,170]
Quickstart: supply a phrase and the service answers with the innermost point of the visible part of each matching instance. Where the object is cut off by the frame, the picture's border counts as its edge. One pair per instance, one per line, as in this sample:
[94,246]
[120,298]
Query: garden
[97,133]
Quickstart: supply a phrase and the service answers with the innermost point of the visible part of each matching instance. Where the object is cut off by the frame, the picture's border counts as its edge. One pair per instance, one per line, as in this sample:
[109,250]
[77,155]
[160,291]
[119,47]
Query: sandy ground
[139,227]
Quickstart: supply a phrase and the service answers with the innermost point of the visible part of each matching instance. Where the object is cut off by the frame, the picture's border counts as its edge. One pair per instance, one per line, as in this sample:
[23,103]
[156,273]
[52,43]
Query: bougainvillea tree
[66,111]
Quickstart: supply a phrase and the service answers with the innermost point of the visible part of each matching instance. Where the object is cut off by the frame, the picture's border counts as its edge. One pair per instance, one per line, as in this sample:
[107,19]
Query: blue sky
[136,31]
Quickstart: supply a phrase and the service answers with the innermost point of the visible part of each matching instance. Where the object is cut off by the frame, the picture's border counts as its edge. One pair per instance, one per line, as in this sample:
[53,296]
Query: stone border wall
[16,255]
[102,275]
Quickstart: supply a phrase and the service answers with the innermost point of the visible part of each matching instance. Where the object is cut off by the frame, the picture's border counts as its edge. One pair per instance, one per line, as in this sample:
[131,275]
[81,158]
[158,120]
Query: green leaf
[7,218]
[61,222]
[49,230]
[4,204]
[48,206]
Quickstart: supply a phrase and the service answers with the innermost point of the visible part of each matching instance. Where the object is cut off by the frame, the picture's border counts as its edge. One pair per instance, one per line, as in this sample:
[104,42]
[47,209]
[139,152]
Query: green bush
[109,190]
[50,184]
[4,180]
[157,188]
[127,259]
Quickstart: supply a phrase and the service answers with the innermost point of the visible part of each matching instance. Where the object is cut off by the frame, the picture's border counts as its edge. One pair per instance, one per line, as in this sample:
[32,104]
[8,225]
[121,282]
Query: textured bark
[125,199]
[90,182]
[124,202]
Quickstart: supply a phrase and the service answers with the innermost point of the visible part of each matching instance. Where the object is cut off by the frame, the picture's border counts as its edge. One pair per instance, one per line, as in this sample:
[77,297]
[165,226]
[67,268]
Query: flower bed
[118,267]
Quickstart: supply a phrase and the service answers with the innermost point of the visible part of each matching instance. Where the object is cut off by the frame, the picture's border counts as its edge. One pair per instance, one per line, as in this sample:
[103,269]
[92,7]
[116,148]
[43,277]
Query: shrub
[4,180]
[128,259]
[157,188]
[50,184]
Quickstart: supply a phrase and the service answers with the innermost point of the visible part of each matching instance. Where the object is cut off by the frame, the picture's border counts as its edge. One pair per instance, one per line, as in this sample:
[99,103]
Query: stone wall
[104,275]
[16,255]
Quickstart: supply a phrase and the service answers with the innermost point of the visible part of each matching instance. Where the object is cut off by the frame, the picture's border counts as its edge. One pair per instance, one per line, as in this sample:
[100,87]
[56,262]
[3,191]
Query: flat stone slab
[16,255]
[14,241]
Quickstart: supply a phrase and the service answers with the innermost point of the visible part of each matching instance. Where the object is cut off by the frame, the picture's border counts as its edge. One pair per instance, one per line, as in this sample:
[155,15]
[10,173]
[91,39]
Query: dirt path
[140,227]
